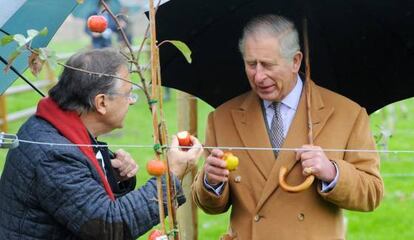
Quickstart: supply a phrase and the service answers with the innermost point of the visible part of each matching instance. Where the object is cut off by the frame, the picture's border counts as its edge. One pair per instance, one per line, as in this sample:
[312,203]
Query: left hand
[181,162]
[124,165]
[315,162]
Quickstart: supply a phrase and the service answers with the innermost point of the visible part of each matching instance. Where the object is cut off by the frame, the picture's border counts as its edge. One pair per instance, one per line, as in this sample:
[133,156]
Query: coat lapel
[320,112]
[296,137]
[251,127]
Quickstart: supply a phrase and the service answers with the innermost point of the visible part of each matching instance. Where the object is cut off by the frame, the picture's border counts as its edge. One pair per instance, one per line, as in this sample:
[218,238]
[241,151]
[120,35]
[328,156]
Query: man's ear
[100,103]
[297,60]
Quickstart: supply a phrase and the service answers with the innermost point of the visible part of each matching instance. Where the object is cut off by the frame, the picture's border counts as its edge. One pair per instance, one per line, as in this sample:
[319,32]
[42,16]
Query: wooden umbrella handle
[298,188]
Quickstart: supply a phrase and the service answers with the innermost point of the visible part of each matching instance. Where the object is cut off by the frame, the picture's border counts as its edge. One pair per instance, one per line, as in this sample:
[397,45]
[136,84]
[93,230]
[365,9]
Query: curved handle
[298,188]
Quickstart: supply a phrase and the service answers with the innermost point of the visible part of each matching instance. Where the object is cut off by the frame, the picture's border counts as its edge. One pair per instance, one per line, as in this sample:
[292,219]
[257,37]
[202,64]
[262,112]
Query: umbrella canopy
[363,49]
[84,10]
[18,16]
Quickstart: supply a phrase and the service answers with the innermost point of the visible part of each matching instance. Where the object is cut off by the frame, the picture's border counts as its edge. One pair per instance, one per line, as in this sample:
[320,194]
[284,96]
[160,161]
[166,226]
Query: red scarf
[69,124]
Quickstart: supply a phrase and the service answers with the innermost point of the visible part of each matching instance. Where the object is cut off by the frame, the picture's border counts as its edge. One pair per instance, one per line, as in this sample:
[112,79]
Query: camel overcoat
[260,209]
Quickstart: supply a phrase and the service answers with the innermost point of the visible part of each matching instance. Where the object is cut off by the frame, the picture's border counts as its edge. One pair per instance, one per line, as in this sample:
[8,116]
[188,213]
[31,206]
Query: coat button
[301,216]
[256,218]
[237,179]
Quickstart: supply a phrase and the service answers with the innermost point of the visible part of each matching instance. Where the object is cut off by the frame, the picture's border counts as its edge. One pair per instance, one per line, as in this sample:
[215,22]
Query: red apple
[97,23]
[156,167]
[155,235]
[184,139]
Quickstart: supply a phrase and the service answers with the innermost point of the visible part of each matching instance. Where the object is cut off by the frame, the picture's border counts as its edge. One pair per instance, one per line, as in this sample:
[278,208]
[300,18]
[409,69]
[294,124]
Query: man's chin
[119,126]
[271,97]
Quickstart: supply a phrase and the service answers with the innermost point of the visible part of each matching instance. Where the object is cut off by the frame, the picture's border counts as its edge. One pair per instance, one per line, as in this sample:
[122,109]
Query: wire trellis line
[4,139]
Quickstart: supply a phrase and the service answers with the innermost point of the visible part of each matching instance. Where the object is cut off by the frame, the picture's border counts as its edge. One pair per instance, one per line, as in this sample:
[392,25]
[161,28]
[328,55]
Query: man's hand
[183,161]
[315,162]
[215,168]
[125,167]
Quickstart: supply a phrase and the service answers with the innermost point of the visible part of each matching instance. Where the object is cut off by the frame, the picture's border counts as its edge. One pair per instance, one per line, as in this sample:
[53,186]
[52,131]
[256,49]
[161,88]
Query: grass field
[392,220]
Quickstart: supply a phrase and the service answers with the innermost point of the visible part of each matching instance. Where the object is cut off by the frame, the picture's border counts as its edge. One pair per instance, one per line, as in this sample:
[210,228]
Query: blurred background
[70,30]
[393,127]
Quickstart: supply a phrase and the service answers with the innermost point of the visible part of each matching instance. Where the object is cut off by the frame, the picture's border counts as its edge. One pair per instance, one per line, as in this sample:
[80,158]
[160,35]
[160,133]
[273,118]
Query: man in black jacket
[67,191]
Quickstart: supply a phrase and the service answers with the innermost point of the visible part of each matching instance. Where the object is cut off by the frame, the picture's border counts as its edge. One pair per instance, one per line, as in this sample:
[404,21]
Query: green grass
[392,220]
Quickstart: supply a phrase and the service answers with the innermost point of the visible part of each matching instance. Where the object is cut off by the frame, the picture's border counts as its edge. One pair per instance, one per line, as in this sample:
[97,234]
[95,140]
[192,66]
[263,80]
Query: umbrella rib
[3,31]
[22,77]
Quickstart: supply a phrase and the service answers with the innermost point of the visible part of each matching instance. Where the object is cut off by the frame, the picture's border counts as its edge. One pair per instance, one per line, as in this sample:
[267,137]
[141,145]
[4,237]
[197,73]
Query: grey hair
[276,26]
[76,90]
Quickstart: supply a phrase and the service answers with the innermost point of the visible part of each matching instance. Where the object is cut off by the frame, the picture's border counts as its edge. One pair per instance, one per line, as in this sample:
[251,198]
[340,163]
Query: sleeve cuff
[326,187]
[217,189]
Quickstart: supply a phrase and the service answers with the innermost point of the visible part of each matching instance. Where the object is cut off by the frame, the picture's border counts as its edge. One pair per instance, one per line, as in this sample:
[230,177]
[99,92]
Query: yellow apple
[231,161]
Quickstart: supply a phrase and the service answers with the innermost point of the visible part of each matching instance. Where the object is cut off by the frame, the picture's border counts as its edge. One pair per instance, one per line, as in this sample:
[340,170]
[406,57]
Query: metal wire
[214,147]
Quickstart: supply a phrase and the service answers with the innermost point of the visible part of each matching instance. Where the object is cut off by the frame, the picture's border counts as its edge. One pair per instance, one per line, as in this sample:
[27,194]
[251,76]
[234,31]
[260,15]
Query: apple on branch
[156,168]
[157,235]
[184,139]
[97,23]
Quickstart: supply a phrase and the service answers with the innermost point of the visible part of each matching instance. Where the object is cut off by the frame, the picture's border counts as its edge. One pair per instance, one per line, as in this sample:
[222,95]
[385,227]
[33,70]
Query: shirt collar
[292,99]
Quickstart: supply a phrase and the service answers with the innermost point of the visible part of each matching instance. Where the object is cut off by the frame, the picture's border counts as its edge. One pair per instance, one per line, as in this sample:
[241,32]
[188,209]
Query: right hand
[215,168]
[124,165]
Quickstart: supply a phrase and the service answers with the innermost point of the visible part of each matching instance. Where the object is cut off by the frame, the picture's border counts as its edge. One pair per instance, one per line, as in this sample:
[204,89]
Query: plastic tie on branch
[158,148]
[152,101]
[174,232]
[8,141]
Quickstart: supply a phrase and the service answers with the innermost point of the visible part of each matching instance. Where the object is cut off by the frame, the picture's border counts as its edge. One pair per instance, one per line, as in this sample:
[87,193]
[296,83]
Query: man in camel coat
[260,209]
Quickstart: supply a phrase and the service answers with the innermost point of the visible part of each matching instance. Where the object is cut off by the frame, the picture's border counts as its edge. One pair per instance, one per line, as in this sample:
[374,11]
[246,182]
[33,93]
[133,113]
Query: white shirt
[100,159]
[288,107]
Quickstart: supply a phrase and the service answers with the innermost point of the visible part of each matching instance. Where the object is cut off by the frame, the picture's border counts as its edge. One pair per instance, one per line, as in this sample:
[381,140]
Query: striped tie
[276,129]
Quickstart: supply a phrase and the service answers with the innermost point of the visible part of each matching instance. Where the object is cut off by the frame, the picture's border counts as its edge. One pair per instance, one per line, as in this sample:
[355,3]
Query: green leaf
[49,56]
[44,31]
[31,33]
[52,61]
[11,59]
[20,39]
[184,49]
[6,40]
[13,56]
[43,53]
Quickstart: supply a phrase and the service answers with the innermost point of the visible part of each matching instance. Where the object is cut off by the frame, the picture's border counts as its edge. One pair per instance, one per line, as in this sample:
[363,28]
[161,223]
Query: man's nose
[131,101]
[260,74]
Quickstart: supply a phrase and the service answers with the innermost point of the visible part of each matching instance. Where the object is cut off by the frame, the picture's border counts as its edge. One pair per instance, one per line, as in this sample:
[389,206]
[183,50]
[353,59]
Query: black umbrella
[363,49]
